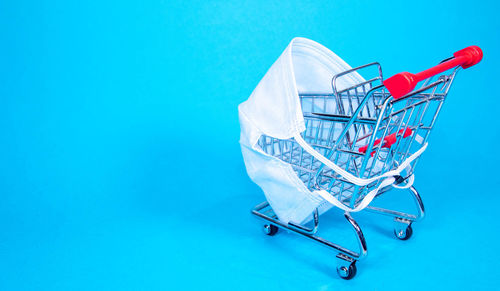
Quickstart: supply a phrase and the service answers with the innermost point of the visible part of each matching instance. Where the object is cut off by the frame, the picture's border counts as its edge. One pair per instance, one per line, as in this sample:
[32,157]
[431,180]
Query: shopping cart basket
[343,147]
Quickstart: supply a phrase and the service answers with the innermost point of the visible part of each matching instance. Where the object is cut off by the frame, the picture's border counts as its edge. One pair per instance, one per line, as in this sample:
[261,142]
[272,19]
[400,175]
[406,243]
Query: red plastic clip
[389,140]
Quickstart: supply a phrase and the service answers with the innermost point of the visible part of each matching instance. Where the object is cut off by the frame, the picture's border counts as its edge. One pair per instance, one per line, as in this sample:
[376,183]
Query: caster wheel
[404,234]
[270,229]
[347,273]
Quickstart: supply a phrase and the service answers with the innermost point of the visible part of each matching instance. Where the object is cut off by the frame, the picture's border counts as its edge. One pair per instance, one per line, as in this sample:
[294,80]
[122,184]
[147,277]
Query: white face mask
[274,111]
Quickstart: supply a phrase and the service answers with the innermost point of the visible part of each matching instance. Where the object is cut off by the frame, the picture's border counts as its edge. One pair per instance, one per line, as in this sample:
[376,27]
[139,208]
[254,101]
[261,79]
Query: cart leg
[346,258]
[346,265]
[359,235]
[403,221]
[418,202]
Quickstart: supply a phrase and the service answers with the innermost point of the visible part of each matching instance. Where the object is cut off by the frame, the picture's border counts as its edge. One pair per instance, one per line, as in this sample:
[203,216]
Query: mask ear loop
[350,177]
[364,203]
[390,177]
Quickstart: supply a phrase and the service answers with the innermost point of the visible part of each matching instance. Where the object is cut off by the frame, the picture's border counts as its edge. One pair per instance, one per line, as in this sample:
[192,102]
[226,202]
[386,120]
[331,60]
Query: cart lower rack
[346,258]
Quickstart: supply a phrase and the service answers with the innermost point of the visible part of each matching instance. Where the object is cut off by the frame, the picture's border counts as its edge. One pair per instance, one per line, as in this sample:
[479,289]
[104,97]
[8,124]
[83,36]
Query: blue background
[119,159]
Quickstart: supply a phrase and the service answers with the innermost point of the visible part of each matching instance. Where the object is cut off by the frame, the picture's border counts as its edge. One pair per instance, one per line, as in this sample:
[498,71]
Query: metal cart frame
[393,90]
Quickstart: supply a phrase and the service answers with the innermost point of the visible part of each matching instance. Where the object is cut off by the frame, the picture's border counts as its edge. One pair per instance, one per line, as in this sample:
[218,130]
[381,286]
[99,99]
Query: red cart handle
[388,140]
[403,83]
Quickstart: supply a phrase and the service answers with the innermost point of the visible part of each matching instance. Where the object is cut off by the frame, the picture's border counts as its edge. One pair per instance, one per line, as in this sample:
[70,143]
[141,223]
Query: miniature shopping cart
[359,142]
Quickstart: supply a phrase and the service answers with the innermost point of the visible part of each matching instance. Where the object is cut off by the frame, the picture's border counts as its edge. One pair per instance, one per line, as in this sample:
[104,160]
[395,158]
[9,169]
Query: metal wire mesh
[340,123]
